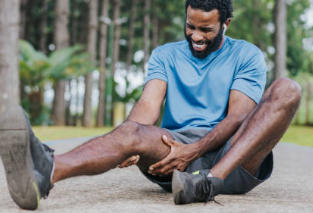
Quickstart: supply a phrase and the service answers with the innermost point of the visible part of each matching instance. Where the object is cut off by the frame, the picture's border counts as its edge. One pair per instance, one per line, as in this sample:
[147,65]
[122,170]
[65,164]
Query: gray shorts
[238,182]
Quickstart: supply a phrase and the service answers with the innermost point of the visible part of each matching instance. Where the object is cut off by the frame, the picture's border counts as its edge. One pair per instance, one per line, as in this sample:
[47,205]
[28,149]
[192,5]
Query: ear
[227,22]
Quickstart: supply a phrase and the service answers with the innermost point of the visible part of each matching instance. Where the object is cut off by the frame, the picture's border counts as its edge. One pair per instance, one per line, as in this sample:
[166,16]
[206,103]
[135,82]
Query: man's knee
[128,134]
[286,90]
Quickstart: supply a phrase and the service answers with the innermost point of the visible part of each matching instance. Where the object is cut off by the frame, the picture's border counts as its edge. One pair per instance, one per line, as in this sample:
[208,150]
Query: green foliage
[36,69]
[32,65]
[66,63]
[251,20]
[296,32]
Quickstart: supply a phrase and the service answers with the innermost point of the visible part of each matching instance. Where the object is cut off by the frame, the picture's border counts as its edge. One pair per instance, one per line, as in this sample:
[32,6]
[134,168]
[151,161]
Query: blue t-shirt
[198,89]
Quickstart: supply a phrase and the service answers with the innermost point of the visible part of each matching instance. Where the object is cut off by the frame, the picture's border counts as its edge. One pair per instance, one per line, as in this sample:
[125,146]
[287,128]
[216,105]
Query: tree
[103,56]
[23,12]
[36,69]
[307,102]
[131,34]
[91,49]
[9,34]
[61,39]
[155,24]
[280,39]
[116,48]
[43,26]
[146,32]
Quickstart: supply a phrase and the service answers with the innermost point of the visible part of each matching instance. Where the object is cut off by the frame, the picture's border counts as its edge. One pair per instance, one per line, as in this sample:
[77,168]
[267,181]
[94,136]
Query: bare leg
[262,129]
[106,152]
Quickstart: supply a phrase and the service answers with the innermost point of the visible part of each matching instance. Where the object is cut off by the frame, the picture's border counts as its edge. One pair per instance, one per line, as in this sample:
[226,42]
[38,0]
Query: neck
[222,43]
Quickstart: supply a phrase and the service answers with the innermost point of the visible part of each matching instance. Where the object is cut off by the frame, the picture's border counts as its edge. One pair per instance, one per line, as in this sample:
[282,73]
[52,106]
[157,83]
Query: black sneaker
[190,188]
[27,162]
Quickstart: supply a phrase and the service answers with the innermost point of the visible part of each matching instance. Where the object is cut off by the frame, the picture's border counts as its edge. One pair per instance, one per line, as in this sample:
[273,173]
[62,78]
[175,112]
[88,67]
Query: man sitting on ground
[217,134]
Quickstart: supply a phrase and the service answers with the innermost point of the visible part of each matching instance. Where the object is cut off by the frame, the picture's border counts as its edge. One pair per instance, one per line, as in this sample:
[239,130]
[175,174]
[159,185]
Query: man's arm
[147,109]
[181,155]
[239,108]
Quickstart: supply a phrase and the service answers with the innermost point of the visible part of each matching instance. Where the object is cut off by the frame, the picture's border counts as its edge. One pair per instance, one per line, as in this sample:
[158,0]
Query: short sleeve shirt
[198,89]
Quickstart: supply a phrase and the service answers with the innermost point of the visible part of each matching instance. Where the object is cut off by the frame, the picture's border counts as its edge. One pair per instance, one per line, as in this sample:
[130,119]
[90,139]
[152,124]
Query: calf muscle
[106,152]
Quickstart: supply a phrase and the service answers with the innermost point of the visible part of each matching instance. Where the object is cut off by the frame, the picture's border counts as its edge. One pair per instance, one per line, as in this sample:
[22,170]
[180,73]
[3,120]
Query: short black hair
[224,7]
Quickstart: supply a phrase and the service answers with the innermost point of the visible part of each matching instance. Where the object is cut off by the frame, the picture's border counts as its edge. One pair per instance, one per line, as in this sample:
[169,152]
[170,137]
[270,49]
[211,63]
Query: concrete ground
[290,189]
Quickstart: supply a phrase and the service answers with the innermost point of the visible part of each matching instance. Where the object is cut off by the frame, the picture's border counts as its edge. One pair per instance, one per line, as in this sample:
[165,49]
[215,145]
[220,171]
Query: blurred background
[74,64]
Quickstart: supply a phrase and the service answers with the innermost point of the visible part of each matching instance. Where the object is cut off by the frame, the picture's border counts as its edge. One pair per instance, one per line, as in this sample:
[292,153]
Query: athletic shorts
[238,182]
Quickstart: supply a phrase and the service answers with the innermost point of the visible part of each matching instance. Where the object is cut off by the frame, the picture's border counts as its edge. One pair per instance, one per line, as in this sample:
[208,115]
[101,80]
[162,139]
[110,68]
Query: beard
[211,45]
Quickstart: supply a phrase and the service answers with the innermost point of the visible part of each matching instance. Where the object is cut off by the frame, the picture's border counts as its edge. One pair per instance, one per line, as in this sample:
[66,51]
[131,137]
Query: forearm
[219,135]
[147,109]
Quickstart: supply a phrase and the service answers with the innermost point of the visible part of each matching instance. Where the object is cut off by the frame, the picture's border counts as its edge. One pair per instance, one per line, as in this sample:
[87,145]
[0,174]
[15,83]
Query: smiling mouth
[199,47]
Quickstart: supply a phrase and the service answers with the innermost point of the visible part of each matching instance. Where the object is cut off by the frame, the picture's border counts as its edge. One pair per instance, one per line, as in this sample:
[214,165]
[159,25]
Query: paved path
[290,189]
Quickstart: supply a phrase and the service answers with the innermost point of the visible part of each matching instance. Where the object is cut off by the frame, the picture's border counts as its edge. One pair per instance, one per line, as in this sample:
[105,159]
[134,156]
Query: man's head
[206,23]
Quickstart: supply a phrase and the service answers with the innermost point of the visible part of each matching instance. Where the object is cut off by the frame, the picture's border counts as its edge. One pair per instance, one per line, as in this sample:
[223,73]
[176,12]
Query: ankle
[216,174]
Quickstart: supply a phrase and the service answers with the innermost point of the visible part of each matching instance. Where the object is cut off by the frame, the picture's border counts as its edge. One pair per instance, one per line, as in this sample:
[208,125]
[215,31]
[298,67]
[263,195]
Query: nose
[197,36]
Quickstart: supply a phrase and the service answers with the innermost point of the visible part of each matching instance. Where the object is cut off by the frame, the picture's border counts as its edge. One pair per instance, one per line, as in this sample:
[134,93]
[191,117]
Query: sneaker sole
[177,188]
[17,160]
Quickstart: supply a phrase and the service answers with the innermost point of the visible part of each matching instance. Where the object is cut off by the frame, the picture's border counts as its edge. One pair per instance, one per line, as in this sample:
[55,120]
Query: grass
[300,135]
[57,133]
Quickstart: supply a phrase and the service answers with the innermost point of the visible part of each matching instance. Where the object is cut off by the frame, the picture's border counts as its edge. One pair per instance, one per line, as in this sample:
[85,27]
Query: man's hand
[179,158]
[133,160]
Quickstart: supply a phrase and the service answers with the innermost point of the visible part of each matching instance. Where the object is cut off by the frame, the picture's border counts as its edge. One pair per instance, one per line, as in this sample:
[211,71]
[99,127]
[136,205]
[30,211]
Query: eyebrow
[201,28]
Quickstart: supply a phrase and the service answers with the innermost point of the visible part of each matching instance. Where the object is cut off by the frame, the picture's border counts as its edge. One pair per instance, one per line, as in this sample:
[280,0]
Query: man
[218,131]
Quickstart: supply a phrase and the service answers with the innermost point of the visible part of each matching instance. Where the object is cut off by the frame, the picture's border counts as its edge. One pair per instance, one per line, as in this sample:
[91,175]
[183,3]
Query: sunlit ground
[57,133]
[300,135]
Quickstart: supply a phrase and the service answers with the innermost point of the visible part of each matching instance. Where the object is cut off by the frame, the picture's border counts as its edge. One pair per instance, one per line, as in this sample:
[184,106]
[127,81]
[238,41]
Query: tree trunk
[76,117]
[103,56]
[280,39]
[61,39]
[68,103]
[43,26]
[116,48]
[74,23]
[29,21]
[91,49]
[9,36]
[155,24]
[82,23]
[257,24]
[131,34]
[117,34]
[130,44]
[307,103]
[23,18]
[146,33]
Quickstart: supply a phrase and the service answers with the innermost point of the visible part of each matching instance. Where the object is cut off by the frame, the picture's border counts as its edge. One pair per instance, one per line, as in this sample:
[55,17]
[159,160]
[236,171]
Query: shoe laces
[204,190]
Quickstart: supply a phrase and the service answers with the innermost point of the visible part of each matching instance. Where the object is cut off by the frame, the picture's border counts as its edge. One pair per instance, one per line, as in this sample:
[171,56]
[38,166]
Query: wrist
[196,150]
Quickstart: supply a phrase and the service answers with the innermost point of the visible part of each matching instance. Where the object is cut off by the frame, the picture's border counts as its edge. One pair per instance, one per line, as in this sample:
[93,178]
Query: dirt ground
[290,189]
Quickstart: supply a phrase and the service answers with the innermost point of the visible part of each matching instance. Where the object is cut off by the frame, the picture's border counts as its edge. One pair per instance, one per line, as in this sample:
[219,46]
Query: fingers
[168,141]
[130,161]
[136,159]
[163,167]
[159,164]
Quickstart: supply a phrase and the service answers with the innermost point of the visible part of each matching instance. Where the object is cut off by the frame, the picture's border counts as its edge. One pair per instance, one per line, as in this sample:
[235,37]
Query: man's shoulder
[243,46]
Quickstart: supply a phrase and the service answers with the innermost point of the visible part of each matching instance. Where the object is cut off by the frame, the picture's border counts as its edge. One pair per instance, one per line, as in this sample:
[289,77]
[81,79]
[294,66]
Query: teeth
[198,46]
